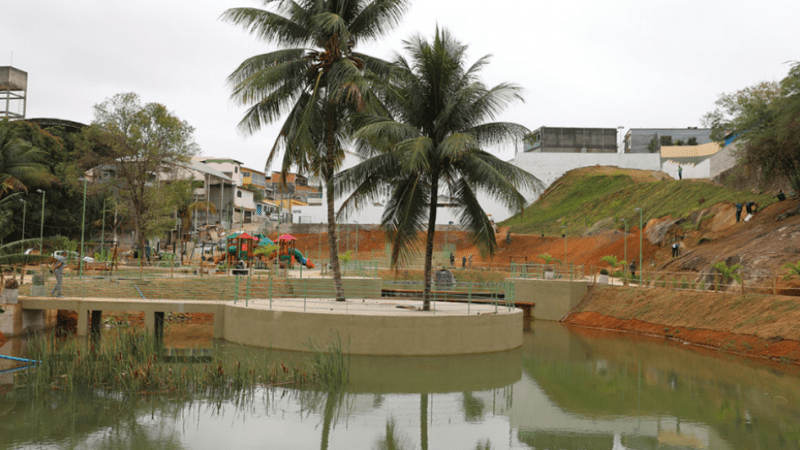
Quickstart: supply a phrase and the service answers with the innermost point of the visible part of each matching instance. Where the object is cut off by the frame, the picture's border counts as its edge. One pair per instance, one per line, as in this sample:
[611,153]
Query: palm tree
[434,143]
[727,273]
[316,77]
[18,160]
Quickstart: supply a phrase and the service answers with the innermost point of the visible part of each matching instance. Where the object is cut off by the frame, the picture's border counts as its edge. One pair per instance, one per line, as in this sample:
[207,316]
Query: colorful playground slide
[302,259]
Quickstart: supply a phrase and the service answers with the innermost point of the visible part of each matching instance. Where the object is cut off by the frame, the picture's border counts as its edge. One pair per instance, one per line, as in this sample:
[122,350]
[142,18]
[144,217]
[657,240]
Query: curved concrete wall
[373,334]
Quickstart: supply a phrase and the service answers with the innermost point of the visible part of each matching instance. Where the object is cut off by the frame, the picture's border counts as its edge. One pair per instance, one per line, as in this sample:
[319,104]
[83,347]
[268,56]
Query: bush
[12,283]
[603,272]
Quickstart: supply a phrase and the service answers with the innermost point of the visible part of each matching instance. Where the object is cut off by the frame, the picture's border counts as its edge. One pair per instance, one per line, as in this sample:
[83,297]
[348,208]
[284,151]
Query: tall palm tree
[19,160]
[316,77]
[434,143]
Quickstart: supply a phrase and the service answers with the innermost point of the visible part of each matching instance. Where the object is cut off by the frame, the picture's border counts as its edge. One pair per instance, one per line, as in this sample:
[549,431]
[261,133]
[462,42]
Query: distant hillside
[600,197]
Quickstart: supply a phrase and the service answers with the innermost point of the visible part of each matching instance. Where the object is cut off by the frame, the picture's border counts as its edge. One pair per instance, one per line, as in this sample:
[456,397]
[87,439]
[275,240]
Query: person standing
[674,249]
[452,260]
[58,271]
[738,212]
[680,172]
[632,268]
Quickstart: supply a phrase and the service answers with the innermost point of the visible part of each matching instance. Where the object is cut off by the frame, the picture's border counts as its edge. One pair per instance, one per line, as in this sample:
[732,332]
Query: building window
[239,194]
[236,169]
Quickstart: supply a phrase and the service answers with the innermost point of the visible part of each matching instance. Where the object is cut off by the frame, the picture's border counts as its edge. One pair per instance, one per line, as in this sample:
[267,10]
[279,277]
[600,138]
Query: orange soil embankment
[762,326]
[581,250]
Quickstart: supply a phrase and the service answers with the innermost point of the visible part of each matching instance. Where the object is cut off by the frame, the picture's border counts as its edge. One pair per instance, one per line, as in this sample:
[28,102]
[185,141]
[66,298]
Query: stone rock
[443,278]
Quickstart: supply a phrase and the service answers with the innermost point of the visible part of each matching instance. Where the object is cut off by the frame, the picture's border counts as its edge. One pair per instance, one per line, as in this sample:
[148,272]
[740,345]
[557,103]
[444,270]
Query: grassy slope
[581,200]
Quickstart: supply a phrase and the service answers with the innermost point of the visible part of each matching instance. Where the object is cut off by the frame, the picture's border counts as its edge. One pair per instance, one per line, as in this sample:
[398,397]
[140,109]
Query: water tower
[13,92]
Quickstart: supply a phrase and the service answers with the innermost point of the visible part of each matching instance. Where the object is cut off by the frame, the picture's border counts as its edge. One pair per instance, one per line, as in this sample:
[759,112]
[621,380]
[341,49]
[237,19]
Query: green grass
[577,196]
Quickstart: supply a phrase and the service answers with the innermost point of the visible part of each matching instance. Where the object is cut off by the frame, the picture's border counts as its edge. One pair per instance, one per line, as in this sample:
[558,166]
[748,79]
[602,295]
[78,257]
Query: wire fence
[265,287]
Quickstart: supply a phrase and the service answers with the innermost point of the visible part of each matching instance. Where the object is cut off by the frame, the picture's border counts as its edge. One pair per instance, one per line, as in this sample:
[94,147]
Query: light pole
[446,230]
[565,244]
[625,237]
[356,239]
[641,261]
[103,232]
[24,208]
[41,231]
[83,228]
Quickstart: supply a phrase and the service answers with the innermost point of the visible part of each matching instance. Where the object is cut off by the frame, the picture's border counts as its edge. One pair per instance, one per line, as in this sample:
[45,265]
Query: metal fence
[266,287]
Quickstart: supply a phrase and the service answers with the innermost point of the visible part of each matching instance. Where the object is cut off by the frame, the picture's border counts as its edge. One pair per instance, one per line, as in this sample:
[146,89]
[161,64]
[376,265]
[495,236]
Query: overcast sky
[593,63]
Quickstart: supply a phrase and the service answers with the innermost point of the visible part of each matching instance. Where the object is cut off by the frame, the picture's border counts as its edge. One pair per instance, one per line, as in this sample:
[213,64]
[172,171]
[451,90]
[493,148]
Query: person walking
[632,268]
[452,260]
[680,172]
[738,212]
[58,271]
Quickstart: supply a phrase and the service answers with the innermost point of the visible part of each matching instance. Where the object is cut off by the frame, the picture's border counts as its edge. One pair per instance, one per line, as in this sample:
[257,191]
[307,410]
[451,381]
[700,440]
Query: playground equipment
[240,246]
[285,252]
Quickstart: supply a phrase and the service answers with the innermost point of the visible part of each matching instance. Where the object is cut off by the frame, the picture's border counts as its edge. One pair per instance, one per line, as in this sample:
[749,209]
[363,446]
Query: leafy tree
[434,142]
[315,76]
[139,141]
[768,117]
[691,141]
[20,162]
[183,199]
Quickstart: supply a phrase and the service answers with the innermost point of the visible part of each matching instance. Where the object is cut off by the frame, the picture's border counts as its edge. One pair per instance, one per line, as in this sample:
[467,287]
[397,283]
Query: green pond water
[564,389]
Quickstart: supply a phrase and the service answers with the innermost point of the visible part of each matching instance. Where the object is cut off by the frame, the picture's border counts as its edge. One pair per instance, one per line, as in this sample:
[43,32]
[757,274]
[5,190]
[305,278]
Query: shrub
[603,272]
[12,283]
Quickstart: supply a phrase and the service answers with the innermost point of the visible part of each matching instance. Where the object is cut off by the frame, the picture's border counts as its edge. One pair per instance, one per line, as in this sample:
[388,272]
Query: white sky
[592,63]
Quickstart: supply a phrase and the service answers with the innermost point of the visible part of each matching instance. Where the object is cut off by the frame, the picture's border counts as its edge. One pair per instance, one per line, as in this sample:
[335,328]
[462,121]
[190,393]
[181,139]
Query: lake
[566,388]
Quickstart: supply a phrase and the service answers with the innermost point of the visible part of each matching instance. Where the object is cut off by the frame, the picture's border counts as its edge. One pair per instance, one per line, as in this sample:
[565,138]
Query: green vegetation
[435,140]
[727,273]
[132,362]
[577,195]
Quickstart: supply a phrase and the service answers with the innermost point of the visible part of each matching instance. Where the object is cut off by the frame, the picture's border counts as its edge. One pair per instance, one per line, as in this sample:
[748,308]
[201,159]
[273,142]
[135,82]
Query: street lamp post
[356,239]
[641,261]
[103,232]
[565,244]
[41,231]
[625,237]
[83,228]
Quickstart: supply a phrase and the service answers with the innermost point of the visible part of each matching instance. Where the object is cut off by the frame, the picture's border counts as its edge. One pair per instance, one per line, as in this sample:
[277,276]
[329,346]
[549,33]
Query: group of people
[463,261]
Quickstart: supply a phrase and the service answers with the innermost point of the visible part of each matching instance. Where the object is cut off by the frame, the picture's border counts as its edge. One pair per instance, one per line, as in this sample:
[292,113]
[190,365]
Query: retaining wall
[554,299]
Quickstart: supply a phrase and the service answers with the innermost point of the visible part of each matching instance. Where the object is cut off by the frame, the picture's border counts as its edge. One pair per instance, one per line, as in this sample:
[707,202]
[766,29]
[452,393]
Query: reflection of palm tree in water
[423,420]
[618,443]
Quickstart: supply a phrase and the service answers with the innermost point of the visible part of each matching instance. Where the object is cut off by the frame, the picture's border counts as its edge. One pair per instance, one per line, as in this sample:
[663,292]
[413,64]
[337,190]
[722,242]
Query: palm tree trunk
[333,245]
[426,303]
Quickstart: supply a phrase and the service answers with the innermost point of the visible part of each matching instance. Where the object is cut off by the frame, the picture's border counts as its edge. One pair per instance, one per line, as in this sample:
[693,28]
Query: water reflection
[564,389]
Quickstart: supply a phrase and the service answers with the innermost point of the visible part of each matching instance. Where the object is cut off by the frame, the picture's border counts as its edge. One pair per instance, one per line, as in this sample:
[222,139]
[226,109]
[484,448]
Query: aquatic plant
[133,362]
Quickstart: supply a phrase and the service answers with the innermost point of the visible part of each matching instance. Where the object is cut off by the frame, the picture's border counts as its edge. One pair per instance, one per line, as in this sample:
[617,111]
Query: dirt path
[763,326]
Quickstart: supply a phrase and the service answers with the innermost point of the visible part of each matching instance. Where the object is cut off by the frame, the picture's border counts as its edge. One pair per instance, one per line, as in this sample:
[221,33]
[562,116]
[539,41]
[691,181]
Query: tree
[140,141]
[183,199]
[727,273]
[315,77]
[548,258]
[433,143]
[613,262]
[767,116]
[20,162]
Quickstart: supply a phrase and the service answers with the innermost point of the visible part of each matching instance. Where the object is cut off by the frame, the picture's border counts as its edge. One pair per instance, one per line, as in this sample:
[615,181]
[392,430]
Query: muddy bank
[762,326]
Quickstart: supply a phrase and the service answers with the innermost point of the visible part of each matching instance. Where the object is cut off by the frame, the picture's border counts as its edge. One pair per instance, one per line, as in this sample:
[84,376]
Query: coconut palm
[19,160]
[434,143]
[316,77]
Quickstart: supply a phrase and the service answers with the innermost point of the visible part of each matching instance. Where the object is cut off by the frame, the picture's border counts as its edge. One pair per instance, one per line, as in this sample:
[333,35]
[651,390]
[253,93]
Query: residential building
[650,140]
[571,140]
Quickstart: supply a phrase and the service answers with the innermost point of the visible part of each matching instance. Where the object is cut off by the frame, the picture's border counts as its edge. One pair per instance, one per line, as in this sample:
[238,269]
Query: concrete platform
[388,327]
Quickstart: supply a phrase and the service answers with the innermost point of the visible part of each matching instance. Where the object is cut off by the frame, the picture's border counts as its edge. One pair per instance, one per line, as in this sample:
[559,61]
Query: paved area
[372,307]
